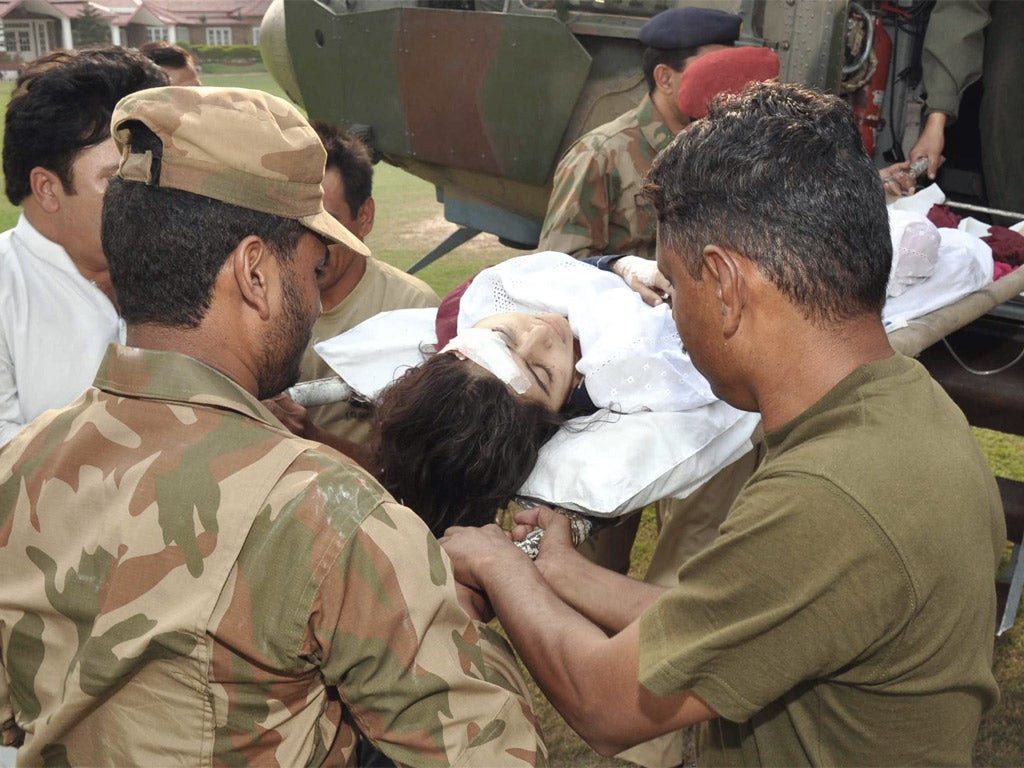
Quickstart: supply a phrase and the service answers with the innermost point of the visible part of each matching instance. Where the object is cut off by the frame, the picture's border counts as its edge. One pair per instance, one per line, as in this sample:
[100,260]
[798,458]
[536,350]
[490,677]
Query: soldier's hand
[557,528]
[644,277]
[558,557]
[558,561]
[477,552]
[290,413]
[931,142]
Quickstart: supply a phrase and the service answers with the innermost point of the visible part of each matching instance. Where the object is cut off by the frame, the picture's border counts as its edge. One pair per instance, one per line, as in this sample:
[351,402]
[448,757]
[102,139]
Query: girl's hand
[644,277]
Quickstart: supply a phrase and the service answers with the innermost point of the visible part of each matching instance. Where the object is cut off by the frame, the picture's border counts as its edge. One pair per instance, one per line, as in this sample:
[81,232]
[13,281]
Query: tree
[89,28]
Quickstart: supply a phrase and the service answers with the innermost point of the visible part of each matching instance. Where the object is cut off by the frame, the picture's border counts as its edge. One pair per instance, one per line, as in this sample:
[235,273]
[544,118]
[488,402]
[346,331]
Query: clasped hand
[481,555]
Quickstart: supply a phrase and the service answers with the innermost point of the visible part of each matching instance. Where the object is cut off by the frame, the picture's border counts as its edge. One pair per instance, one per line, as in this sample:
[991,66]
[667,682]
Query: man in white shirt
[58,312]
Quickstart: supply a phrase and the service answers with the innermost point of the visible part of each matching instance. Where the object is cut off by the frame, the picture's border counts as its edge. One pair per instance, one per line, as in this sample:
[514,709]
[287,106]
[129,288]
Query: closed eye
[533,372]
[510,339]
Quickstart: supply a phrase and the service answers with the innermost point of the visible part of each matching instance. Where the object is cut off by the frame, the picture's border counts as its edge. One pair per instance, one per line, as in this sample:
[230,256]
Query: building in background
[30,28]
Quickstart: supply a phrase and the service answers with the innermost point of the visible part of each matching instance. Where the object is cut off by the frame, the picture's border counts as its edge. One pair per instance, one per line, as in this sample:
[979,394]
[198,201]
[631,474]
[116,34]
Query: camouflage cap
[236,145]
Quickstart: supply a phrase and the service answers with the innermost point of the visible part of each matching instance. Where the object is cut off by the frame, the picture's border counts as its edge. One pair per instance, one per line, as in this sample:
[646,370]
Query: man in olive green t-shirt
[845,615]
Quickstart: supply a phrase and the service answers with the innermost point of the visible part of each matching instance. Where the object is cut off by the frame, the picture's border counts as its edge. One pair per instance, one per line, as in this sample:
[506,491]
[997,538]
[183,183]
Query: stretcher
[385,345]
[589,466]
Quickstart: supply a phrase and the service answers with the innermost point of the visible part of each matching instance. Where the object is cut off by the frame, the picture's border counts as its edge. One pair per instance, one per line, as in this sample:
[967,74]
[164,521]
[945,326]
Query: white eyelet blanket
[632,358]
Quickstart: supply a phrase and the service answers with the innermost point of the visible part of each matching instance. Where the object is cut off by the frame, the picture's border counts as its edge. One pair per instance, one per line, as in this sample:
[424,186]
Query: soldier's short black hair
[61,105]
[778,173]
[166,54]
[165,247]
[350,157]
[673,58]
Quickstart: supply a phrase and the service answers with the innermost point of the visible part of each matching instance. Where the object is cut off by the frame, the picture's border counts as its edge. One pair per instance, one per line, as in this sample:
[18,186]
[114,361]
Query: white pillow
[380,349]
[609,464]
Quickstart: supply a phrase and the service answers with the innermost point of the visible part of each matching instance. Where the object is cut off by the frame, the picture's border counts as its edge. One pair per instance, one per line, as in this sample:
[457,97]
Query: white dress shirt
[55,326]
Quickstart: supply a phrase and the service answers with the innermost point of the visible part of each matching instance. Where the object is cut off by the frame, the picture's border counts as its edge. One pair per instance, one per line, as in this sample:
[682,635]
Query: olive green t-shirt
[846,614]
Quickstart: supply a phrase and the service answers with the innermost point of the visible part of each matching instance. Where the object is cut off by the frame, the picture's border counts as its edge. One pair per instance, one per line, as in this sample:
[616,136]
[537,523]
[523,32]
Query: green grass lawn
[409,224]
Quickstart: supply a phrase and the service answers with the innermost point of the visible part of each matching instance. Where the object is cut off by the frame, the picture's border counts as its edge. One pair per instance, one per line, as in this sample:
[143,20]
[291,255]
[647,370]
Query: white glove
[644,277]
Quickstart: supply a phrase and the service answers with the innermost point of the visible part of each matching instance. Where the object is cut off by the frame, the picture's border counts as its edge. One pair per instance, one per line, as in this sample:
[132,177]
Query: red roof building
[33,27]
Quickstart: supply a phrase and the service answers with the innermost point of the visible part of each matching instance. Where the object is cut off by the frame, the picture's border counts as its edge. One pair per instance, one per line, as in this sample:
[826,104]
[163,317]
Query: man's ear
[364,219]
[250,263]
[663,79]
[46,188]
[723,267]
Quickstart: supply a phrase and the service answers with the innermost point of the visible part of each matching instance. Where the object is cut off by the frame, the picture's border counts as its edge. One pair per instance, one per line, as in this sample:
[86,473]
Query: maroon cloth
[729,70]
[942,216]
[447,323]
[1007,245]
[1001,269]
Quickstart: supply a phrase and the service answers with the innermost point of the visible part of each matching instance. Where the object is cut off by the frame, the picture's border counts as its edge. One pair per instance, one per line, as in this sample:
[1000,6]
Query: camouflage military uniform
[382,287]
[594,207]
[186,582]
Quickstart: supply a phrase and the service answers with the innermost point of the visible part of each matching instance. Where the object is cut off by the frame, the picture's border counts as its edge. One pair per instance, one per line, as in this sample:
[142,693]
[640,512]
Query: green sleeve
[419,677]
[10,734]
[578,210]
[355,587]
[954,46]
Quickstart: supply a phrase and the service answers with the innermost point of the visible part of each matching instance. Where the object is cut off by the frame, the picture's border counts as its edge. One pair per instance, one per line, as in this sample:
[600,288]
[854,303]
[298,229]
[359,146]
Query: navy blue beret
[690,27]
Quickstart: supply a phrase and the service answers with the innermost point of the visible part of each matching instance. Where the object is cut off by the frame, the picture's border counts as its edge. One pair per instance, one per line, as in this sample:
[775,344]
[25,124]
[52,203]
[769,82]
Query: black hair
[166,246]
[62,104]
[454,444]
[350,156]
[166,54]
[673,58]
[778,173]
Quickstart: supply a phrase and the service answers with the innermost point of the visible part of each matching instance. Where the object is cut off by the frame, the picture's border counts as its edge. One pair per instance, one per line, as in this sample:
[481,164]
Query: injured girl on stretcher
[539,339]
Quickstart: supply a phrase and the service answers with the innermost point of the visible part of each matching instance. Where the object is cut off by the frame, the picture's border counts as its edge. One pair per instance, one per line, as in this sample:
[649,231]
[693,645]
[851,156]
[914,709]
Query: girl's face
[543,348]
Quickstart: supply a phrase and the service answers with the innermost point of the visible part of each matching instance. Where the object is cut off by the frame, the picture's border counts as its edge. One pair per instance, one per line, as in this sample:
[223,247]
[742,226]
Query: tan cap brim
[333,230]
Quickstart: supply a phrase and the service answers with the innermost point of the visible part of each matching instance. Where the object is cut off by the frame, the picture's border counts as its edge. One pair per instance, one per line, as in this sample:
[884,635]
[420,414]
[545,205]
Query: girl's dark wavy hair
[453,444]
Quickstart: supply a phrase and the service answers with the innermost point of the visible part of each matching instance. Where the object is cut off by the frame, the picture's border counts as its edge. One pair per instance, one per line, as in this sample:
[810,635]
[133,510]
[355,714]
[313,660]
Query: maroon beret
[728,70]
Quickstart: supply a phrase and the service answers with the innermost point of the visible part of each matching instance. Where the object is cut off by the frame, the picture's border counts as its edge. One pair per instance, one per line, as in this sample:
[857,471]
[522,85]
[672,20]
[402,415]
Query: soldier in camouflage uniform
[184,580]
[594,207]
